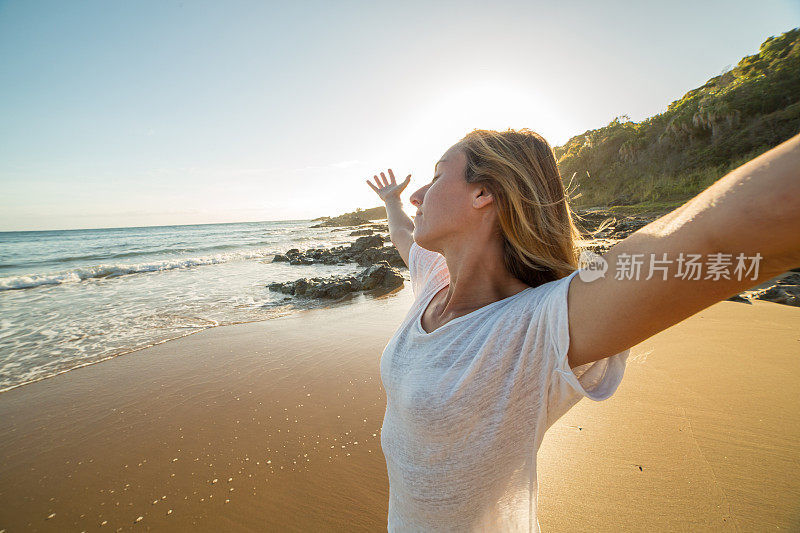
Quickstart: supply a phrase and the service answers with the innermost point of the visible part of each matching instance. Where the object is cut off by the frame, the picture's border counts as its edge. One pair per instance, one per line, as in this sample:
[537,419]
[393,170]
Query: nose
[418,197]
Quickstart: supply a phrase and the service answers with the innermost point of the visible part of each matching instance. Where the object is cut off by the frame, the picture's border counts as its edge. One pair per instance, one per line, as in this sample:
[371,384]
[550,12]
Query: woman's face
[446,206]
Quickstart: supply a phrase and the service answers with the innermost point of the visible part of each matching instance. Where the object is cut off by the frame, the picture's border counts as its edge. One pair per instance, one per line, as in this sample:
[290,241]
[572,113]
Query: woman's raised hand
[389,189]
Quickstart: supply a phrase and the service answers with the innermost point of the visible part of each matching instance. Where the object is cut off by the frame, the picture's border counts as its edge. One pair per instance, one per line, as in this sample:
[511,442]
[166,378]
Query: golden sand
[275,426]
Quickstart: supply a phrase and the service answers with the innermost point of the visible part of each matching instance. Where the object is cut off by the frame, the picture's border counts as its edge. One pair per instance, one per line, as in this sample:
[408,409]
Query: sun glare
[491,105]
[454,112]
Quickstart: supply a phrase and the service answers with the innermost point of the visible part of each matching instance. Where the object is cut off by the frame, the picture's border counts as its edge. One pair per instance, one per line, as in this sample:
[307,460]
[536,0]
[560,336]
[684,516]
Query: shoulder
[549,296]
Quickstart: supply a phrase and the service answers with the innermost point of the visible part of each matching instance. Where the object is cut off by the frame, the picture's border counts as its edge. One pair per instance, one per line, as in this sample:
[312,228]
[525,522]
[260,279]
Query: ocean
[69,298]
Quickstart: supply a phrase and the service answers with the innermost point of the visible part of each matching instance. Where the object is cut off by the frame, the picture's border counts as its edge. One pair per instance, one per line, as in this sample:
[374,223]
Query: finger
[391,175]
[377,182]
[385,181]
[371,185]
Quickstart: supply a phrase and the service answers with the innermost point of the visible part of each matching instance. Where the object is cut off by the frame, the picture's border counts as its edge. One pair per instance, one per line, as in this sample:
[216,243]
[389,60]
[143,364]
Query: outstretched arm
[753,211]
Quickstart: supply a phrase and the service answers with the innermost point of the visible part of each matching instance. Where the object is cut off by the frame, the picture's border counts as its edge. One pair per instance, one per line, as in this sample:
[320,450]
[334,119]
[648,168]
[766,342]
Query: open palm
[389,188]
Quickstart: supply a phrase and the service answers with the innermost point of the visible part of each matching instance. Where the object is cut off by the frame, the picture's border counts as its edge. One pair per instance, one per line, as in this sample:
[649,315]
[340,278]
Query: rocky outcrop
[784,291]
[364,251]
[362,243]
[602,228]
[616,226]
[378,276]
[342,220]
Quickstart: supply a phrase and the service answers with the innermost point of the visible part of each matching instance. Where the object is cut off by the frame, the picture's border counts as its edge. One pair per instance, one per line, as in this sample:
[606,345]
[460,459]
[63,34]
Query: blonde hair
[537,224]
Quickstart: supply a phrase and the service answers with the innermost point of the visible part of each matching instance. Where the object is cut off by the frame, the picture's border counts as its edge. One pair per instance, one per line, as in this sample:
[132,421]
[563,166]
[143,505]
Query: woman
[502,340]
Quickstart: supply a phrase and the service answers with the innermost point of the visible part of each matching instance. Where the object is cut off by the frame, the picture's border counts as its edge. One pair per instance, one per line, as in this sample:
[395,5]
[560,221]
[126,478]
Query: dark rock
[371,256]
[378,276]
[780,294]
[628,225]
[364,251]
[361,232]
[285,288]
[343,220]
[784,291]
[301,286]
[791,279]
[739,298]
[362,243]
[331,290]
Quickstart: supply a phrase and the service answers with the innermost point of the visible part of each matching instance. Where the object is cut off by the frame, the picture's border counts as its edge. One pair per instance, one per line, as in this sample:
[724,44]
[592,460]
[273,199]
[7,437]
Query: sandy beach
[275,426]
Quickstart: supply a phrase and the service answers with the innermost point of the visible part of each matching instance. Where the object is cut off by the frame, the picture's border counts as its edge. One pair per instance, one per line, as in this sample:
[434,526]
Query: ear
[482,197]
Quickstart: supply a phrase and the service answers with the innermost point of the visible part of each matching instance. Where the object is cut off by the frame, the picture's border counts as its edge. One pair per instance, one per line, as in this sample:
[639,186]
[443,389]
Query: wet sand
[275,425]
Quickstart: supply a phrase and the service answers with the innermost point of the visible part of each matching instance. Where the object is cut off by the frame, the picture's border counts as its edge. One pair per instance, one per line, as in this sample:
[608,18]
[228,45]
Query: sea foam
[113,269]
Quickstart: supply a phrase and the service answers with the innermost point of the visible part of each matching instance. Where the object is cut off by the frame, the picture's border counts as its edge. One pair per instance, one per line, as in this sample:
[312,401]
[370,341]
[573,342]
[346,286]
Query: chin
[419,239]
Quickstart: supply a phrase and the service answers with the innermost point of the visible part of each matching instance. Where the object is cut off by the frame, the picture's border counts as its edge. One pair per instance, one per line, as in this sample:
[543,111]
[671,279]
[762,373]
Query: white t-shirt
[468,404]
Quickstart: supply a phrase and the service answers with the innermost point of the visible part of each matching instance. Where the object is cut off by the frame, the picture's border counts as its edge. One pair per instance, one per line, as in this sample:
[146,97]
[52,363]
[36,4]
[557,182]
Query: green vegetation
[666,159]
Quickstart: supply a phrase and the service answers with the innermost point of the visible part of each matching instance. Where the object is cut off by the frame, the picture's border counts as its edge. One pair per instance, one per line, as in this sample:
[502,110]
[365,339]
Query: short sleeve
[597,380]
[423,266]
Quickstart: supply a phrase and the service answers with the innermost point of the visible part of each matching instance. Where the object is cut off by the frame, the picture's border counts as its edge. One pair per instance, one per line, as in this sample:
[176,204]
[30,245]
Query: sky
[145,113]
